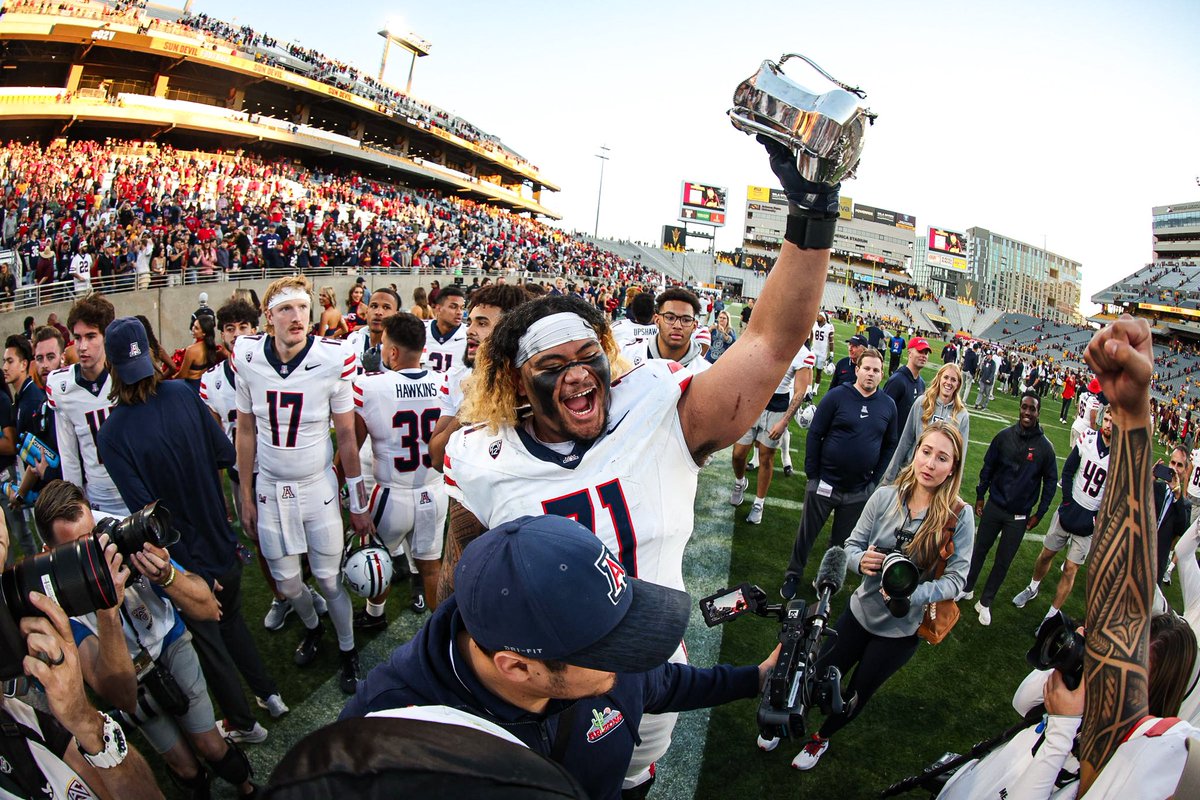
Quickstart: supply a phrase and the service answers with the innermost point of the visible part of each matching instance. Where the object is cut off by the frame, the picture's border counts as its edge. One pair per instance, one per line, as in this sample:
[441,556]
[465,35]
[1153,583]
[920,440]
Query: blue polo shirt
[31,414]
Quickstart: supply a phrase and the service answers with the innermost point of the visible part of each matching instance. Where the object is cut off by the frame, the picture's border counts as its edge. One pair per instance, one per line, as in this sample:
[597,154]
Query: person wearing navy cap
[547,636]
[843,371]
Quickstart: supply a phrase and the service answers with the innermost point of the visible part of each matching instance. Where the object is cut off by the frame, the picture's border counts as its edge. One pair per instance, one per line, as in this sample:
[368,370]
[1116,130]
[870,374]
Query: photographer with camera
[139,656]
[901,538]
[74,751]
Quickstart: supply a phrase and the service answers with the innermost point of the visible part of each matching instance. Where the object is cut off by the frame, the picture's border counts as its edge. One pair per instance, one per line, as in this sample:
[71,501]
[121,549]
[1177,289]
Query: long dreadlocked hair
[490,393]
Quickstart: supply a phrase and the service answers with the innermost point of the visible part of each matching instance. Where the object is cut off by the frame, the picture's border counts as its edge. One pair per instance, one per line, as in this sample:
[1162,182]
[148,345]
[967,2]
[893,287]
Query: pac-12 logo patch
[603,723]
[494,449]
[614,573]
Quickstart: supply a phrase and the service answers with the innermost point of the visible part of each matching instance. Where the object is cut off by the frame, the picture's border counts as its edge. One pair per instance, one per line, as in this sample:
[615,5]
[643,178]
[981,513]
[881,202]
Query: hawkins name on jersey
[80,408]
[292,402]
[442,353]
[400,410]
[634,487]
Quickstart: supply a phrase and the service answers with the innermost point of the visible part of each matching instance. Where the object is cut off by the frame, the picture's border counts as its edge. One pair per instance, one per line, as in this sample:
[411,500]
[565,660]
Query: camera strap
[24,774]
[566,721]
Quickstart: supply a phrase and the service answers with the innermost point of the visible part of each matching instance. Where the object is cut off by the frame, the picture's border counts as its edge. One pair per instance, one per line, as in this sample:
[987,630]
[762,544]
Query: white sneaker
[739,492]
[253,736]
[319,604]
[1027,594]
[755,515]
[985,614]
[807,758]
[274,706]
[767,745]
[277,614]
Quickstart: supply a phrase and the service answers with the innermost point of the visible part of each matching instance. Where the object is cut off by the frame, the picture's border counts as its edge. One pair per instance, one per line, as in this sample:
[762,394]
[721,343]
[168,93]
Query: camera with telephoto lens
[75,575]
[898,576]
[1059,646]
[795,685]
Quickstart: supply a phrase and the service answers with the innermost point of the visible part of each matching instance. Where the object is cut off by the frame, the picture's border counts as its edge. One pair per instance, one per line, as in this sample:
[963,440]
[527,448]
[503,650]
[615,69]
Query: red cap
[919,343]
[1094,386]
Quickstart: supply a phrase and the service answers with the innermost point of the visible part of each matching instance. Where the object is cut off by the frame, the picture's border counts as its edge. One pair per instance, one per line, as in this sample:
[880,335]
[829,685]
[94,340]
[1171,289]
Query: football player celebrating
[79,396]
[619,451]
[446,341]
[487,305]
[398,409]
[822,347]
[290,385]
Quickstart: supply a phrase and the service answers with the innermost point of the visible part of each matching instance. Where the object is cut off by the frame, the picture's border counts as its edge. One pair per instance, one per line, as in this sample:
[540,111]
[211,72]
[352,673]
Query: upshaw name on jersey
[604,722]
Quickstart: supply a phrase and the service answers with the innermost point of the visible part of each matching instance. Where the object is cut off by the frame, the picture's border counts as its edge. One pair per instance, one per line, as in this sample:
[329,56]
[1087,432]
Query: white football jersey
[1193,488]
[292,402]
[628,332]
[639,353]
[635,486]
[442,353]
[803,360]
[400,410]
[218,390]
[450,397]
[80,408]
[822,335]
[1087,490]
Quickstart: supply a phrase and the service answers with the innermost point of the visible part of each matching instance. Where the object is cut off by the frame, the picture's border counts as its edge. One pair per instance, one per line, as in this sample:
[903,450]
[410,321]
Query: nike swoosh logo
[330,500]
[618,422]
[307,367]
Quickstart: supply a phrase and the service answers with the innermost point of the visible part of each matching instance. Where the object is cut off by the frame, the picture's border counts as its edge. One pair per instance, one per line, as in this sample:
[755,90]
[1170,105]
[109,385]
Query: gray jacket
[912,431]
[881,518]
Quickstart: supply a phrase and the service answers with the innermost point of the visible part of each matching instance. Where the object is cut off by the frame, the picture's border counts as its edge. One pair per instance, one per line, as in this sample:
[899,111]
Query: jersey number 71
[579,507]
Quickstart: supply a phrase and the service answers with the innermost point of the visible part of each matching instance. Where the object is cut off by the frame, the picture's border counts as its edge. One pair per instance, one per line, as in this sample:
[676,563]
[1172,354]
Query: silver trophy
[825,131]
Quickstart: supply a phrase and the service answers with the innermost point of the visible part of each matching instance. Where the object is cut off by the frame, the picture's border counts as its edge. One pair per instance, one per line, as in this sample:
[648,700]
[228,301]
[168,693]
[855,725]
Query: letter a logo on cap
[134,350]
[614,573]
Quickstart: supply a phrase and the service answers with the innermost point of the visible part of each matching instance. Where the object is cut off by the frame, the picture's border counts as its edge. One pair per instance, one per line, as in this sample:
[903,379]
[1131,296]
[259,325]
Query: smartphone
[1164,472]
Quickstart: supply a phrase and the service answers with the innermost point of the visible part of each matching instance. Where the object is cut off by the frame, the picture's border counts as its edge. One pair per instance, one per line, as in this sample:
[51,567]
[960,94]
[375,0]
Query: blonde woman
[331,325]
[421,308]
[941,402]
[914,515]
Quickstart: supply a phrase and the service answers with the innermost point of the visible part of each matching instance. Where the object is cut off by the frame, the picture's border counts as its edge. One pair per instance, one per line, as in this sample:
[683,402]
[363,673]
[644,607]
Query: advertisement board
[703,203]
[946,249]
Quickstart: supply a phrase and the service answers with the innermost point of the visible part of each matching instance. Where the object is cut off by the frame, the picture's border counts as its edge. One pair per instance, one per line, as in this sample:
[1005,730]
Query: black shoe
[787,472]
[366,621]
[399,575]
[307,651]
[418,597]
[788,590]
[348,680]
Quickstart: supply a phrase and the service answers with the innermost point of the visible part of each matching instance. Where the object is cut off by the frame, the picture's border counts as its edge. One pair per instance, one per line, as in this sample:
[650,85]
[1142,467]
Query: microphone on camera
[832,572]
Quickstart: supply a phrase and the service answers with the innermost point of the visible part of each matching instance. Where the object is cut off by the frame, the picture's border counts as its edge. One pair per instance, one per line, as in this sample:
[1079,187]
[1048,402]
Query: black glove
[371,360]
[819,200]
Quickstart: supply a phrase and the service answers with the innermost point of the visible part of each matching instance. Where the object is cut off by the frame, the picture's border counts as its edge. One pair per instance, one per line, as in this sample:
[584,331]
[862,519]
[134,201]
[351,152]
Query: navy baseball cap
[547,588]
[128,350]
[858,339]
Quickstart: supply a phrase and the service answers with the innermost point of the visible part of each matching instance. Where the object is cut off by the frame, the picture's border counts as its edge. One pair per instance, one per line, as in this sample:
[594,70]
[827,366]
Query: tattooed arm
[1121,575]
[464,528]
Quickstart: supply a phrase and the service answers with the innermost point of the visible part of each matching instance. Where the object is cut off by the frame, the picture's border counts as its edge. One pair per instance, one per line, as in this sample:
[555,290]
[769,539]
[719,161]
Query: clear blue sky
[1057,122]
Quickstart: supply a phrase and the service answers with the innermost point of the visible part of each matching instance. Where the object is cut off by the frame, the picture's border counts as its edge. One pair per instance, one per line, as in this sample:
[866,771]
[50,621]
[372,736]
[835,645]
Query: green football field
[946,699]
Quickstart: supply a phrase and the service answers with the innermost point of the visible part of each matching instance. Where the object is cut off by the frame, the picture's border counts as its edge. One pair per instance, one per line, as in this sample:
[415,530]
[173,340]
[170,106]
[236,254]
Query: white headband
[552,331]
[288,294]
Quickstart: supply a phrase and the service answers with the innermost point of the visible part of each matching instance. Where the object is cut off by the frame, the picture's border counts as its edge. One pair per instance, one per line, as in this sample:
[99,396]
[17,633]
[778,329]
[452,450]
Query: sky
[1059,124]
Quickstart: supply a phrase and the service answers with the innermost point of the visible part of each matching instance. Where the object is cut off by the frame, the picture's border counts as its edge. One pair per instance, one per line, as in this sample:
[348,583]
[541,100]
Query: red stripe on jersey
[446,462]
[683,384]
[203,394]
[674,366]
[349,359]
[374,494]
[358,403]
[450,481]
[445,390]
[357,389]
[349,372]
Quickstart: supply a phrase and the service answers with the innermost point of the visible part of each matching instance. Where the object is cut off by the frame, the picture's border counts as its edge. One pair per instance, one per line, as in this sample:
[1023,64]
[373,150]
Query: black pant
[1011,530]
[874,659]
[1066,407]
[893,362]
[226,648]
[846,508]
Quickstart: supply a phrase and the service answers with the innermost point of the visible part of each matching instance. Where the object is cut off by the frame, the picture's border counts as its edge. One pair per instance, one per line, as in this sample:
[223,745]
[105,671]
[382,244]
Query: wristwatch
[115,747]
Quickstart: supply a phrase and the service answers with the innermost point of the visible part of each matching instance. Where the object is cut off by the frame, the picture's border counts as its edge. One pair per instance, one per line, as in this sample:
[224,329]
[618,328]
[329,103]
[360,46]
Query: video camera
[75,575]
[794,685]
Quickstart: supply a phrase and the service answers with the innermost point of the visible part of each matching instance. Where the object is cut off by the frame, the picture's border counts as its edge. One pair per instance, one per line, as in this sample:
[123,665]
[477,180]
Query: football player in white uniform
[768,431]
[1084,477]
[398,408]
[218,390]
[79,396]
[822,346]
[446,340]
[289,387]
[638,323]
[364,340]
[486,307]
[1085,418]
[676,313]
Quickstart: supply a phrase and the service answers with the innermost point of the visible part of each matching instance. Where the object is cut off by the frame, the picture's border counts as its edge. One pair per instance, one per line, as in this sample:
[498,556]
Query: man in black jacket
[850,443]
[543,619]
[906,384]
[1020,470]
[1171,509]
[843,371]
[970,363]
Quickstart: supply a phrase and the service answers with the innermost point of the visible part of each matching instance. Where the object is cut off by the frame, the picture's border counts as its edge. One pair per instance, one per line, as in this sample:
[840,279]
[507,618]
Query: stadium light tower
[395,33]
[603,156]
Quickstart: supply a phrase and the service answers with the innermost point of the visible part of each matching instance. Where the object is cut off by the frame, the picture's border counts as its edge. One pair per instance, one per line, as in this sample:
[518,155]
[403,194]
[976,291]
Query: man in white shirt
[81,271]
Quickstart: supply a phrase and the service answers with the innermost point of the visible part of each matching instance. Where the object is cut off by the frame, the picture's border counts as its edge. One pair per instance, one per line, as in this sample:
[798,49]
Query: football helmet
[829,367]
[366,566]
[804,416]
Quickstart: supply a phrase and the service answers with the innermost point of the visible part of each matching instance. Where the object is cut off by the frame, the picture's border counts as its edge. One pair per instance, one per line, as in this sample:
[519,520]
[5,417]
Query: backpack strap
[26,776]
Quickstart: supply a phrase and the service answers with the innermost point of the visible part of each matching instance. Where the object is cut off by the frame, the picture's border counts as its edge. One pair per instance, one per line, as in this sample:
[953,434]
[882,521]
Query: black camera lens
[899,576]
[152,524]
[1059,646]
[74,574]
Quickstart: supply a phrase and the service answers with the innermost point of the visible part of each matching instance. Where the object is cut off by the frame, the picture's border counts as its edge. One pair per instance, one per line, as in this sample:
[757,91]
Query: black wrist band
[810,233]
